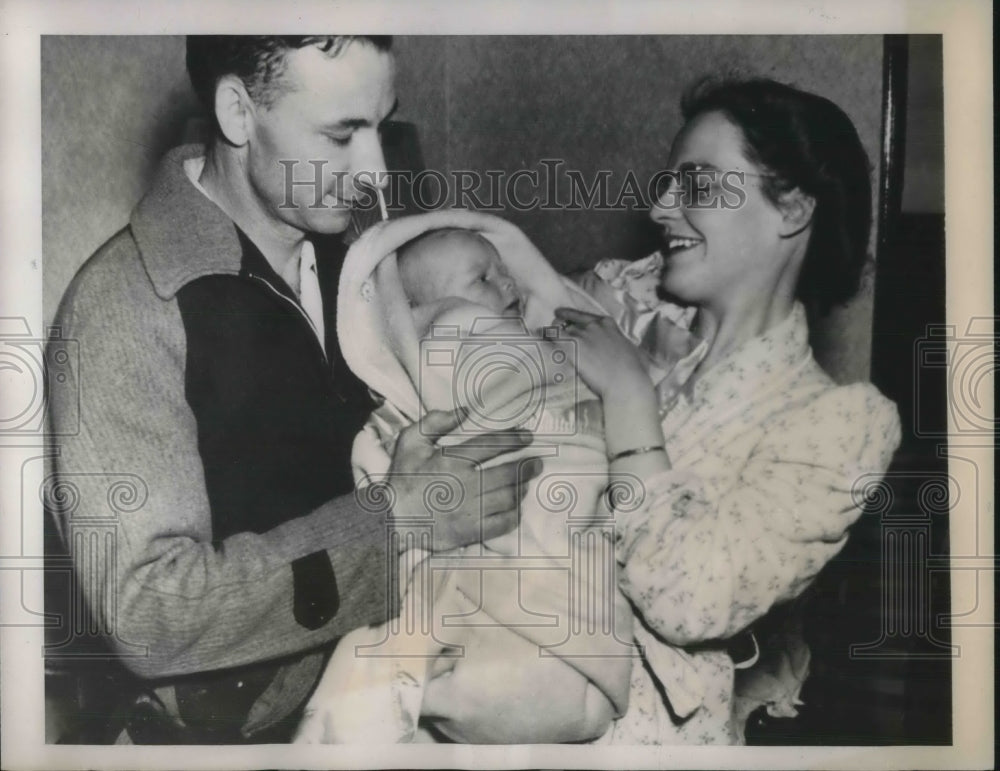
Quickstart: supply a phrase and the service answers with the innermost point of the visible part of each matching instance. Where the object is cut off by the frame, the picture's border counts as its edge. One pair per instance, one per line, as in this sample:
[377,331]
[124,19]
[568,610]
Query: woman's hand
[605,358]
[610,364]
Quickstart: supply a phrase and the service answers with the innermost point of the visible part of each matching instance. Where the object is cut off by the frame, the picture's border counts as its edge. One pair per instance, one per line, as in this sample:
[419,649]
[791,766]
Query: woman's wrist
[630,387]
[633,435]
[632,420]
[623,380]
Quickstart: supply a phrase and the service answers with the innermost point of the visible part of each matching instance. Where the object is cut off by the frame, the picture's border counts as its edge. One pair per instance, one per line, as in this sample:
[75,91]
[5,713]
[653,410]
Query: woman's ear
[797,210]
[234,109]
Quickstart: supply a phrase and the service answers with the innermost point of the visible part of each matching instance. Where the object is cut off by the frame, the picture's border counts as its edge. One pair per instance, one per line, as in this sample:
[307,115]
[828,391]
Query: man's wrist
[411,535]
[380,498]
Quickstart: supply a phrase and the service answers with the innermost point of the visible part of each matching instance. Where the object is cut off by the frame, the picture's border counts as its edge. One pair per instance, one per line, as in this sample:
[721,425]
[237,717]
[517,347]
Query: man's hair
[258,60]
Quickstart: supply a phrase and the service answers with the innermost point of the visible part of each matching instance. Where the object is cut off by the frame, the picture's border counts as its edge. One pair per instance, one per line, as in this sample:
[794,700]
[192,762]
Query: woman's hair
[809,143]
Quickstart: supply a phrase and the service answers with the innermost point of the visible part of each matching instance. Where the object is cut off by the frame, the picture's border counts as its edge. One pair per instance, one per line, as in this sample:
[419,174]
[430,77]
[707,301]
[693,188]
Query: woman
[748,453]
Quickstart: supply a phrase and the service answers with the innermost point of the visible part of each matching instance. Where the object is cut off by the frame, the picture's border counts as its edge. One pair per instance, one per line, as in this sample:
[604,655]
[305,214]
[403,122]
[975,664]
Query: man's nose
[368,163]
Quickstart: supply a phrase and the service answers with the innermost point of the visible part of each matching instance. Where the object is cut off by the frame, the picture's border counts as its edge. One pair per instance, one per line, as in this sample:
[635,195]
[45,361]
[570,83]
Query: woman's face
[722,248]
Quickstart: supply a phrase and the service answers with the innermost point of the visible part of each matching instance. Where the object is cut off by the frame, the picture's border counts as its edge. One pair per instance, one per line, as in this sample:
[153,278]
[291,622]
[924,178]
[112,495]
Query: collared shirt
[300,274]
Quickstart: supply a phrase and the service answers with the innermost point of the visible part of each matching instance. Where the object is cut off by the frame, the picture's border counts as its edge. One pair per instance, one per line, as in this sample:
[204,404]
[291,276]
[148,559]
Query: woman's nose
[665,208]
[666,204]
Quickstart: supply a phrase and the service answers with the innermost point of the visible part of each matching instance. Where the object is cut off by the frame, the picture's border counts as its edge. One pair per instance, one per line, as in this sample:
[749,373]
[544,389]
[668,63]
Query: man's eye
[340,140]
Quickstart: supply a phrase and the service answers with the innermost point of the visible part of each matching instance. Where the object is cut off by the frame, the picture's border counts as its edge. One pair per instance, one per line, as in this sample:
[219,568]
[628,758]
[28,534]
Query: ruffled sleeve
[700,566]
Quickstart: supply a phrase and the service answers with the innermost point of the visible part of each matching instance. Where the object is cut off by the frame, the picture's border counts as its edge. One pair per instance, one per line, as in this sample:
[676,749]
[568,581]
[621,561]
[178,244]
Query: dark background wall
[923,176]
[112,105]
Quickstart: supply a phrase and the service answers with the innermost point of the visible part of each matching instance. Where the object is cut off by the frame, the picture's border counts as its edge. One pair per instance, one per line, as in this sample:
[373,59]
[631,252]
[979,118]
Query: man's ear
[797,209]
[234,109]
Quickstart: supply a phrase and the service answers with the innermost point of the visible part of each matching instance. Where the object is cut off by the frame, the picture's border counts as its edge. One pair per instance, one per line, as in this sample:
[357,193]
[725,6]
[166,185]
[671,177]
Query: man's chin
[328,221]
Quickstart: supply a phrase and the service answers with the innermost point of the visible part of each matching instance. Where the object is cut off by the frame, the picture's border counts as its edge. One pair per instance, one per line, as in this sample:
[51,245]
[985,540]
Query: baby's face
[460,265]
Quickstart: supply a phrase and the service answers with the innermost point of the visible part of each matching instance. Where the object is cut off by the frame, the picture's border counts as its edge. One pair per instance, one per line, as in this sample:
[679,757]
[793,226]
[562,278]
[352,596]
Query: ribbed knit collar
[180,233]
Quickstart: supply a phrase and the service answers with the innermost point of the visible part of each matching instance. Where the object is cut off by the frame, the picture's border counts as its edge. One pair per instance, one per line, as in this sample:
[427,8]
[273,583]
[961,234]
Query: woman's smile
[674,243]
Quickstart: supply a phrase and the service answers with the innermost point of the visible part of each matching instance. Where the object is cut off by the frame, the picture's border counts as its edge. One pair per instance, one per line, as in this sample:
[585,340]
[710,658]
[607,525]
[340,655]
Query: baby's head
[461,264]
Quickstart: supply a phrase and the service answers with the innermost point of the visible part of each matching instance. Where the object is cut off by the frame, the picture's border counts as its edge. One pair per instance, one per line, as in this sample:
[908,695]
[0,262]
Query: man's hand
[425,480]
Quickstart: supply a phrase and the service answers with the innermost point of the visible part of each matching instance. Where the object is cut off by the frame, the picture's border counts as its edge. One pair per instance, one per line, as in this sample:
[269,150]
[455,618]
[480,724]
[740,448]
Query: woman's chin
[679,291]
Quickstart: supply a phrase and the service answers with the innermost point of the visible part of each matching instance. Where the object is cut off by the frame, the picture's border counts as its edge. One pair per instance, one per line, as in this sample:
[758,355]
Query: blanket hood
[378,338]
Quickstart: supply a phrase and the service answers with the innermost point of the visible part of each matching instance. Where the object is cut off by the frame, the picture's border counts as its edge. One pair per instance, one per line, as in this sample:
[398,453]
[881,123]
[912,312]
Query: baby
[451,273]
[460,292]
[514,617]
[464,301]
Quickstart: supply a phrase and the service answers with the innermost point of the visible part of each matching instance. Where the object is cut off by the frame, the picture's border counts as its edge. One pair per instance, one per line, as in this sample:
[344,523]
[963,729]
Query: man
[212,387]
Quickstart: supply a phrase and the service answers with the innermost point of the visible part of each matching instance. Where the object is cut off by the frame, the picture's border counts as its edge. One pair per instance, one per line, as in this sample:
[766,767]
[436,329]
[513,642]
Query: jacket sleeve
[134,512]
[700,570]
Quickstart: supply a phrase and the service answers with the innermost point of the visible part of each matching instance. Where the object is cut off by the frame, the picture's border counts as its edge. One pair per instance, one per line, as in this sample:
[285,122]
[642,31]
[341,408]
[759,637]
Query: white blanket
[372,689]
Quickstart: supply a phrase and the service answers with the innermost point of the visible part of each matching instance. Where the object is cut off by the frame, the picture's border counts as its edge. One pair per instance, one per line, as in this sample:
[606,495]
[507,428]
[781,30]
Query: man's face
[326,121]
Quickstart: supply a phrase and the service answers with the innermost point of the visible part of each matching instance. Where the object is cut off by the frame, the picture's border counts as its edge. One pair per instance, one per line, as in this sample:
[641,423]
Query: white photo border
[967,50]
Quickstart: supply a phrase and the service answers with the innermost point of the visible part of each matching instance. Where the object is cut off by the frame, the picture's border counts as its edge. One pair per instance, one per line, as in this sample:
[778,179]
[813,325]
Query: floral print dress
[766,450]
